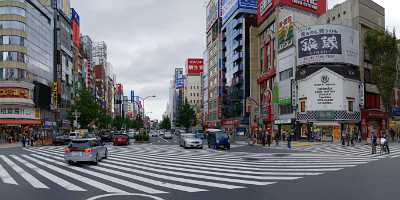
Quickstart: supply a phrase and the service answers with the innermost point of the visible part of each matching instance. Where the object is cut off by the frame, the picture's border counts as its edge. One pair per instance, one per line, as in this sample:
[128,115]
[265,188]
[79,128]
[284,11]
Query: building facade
[237,18]
[26,68]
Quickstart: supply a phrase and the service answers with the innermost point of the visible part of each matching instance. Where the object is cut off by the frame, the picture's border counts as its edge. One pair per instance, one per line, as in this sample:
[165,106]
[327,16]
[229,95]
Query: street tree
[87,106]
[165,123]
[383,53]
[186,115]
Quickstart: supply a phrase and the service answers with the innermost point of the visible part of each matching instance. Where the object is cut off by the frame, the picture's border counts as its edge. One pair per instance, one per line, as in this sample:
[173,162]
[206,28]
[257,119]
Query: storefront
[372,122]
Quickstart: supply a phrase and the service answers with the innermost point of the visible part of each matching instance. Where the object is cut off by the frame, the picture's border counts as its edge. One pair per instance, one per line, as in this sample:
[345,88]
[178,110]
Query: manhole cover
[280,154]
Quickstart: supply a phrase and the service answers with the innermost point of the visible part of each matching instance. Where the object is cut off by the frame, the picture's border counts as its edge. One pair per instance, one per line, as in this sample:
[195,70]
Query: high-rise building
[26,67]
[87,62]
[63,62]
[192,85]
[237,18]
[215,72]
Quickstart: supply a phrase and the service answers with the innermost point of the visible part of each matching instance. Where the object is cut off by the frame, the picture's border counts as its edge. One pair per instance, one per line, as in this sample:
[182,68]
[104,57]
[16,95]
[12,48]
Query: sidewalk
[12,145]
[295,144]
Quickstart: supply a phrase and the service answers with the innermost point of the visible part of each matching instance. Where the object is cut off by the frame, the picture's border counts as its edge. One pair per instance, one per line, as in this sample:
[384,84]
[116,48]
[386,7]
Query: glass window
[13,10]
[286,74]
[303,106]
[12,25]
[351,106]
[1,73]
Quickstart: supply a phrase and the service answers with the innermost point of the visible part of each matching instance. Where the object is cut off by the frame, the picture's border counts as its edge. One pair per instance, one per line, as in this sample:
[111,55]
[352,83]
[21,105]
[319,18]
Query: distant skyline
[147,39]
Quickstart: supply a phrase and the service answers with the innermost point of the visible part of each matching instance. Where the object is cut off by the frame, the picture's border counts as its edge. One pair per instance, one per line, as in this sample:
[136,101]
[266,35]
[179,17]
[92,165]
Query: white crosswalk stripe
[357,150]
[155,169]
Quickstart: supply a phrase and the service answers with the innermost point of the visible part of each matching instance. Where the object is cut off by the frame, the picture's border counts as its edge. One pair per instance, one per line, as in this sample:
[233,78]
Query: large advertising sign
[14,93]
[179,78]
[327,44]
[120,88]
[229,7]
[194,66]
[212,13]
[13,112]
[317,7]
[285,33]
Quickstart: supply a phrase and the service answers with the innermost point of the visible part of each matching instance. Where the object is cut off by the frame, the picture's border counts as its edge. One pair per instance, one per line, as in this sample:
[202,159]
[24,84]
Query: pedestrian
[374,142]
[23,140]
[386,144]
[263,138]
[269,138]
[342,138]
[348,138]
[277,138]
[289,140]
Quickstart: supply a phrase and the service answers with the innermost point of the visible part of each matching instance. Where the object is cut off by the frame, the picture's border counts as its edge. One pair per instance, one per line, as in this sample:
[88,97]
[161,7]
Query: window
[12,10]
[367,75]
[350,106]
[303,106]
[12,56]
[286,74]
[285,109]
[12,25]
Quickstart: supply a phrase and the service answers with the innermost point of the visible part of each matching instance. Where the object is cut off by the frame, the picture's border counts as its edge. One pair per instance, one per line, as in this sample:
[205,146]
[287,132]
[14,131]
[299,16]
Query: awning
[20,122]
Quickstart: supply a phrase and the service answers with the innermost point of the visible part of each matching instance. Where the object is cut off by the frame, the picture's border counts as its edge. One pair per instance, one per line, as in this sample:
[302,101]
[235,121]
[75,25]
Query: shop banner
[285,33]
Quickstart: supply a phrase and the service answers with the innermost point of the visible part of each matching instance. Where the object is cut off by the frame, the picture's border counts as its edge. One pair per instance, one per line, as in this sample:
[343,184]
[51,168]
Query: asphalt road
[163,170]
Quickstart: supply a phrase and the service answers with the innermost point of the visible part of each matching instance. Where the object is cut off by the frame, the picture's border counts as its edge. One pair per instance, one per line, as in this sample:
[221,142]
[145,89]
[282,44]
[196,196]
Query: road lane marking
[55,179]
[28,177]
[105,177]
[6,177]
[80,178]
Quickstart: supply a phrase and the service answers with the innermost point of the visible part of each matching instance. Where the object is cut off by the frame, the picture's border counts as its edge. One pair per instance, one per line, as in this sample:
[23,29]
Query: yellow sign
[14,92]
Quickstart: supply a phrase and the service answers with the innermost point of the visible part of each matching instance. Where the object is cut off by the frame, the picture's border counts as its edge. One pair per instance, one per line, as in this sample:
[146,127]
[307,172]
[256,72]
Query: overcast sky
[147,39]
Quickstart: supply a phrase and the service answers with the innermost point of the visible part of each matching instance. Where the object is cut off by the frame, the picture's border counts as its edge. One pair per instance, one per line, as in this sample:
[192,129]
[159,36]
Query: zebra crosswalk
[357,150]
[165,169]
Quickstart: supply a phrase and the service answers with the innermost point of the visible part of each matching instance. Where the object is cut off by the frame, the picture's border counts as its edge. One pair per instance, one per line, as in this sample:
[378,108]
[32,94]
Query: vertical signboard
[212,13]
[285,33]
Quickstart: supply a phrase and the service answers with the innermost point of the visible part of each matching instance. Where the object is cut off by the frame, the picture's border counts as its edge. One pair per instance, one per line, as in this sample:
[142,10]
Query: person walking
[386,144]
[269,138]
[263,138]
[23,140]
[343,136]
[374,142]
[348,138]
[289,140]
[277,138]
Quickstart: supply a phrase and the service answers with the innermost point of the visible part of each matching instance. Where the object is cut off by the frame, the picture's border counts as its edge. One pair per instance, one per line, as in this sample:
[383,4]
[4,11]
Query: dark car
[120,139]
[106,136]
[61,140]
[218,139]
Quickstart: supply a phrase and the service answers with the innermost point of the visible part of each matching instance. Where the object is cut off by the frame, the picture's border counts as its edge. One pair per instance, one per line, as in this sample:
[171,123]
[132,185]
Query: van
[218,139]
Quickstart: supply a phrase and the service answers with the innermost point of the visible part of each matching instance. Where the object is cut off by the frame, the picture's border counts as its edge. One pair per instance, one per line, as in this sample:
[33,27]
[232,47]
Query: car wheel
[70,162]
[96,161]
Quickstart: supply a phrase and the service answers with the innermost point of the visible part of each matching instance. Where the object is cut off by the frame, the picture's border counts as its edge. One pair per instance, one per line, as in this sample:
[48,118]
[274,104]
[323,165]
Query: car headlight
[217,141]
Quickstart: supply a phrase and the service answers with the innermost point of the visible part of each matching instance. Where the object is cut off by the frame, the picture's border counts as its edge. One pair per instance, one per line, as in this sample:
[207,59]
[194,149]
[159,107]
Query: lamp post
[144,99]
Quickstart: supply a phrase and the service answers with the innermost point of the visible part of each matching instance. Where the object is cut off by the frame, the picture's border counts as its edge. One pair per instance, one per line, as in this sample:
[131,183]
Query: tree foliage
[186,115]
[88,108]
[165,123]
[383,53]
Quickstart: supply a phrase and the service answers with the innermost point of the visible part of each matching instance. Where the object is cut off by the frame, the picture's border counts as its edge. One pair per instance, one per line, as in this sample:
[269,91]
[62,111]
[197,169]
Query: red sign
[120,88]
[76,36]
[194,66]
[317,7]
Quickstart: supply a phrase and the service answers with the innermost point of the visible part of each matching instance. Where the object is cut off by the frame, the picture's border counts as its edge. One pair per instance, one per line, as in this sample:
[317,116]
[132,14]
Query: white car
[190,141]
[153,134]
[73,135]
[167,135]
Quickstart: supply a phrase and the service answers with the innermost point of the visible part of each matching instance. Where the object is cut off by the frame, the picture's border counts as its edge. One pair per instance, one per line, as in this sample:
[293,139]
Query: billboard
[327,44]
[317,7]
[76,35]
[120,88]
[229,7]
[285,33]
[179,78]
[194,66]
[212,13]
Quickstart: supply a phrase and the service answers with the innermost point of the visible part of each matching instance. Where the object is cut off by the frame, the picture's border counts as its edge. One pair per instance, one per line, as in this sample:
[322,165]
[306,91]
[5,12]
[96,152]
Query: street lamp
[144,99]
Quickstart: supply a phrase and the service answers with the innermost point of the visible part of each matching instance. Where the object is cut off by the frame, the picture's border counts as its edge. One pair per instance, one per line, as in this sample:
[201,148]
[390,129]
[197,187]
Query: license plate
[76,153]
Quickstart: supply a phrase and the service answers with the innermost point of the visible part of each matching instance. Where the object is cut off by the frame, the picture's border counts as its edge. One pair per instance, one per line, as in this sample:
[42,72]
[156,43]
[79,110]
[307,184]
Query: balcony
[237,57]
[237,34]
[237,45]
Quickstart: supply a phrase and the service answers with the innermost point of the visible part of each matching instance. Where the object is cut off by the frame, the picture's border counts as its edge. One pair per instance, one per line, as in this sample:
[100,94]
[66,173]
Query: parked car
[131,135]
[167,135]
[218,139]
[120,139]
[85,150]
[190,141]
[106,137]
[153,134]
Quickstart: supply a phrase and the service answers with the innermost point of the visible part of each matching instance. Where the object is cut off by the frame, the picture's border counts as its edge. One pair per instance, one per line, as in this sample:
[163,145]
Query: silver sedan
[85,150]
[190,141]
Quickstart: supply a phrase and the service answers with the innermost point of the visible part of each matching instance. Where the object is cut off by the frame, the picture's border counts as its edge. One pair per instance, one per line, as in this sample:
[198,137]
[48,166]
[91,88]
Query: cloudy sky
[147,39]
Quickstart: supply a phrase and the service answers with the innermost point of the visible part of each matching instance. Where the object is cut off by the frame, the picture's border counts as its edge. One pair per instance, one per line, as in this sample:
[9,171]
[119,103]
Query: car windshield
[189,136]
[72,134]
[81,144]
[221,136]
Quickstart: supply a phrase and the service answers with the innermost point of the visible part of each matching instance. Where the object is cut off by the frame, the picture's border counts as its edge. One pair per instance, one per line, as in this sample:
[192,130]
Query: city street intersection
[327,171]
